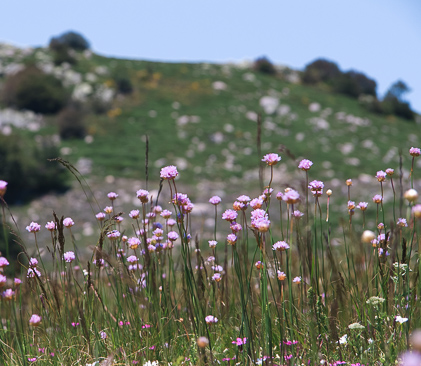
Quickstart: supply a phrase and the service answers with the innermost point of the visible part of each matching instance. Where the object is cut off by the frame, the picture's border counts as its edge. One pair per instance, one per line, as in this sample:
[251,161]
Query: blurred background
[96,82]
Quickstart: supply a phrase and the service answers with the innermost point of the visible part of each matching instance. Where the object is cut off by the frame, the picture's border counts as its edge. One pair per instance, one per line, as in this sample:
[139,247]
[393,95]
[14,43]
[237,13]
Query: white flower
[400,320]
[343,339]
[356,326]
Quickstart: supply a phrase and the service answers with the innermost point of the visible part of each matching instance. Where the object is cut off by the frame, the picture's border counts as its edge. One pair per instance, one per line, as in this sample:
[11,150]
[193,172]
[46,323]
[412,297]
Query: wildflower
[108,209]
[103,335]
[51,226]
[114,234]
[351,205]
[158,232]
[3,262]
[271,159]
[142,194]
[280,246]
[172,235]
[35,320]
[356,326]
[291,197]
[348,182]
[17,281]
[169,172]
[134,214]
[363,206]
[3,186]
[32,359]
[305,164]
[380,226]
[377,199]
[133,242]
[235,227]
[232,239]
[202,342]
[316,188]
[297,279]
[402,222]
[411,195]
[281,275]
[256,203]
[217,277]
[390,172]
[414,151]
[367,236]
[181,199]
[212,243]
[240,341]
[3,280]
[68,222]
[237,206]
[210,319]
[171,222]
[289,343]
[100,216]
[33,227]
[243,198]
[400,320]
[215,200]
[298,214]
[343,339]
[329,192]
[217,268]
[229,215]
[279,196]
[416,211]
[112,196]
[69,257]
[261,224]
[32,273]
[33,262]
[132,259]
[381,176]
[259,264]
[267,192]
[375,300]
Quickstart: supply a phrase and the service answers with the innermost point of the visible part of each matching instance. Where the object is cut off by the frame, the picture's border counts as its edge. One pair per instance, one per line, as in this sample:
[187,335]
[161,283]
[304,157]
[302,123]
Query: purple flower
[363,206]
[297,279]
[133,242]
[210,319]
[416,211]
[305,164]
[381,176]
[291,196]
[142,194]
[3,280]
[256,203]
[33,227]
[402,222]
[169,172]
[261,224]
[33,262]
[217,277]
[316,188]
[229,215]
[32,273]
[172,235]
[235,227]
[280,246]
[3,262]
[69,257]
[132,259]
[114,234]
[281,275]
[244,199]
[68,222]
[212,243]
[271,159]
[171,222]
[100,216]
[8,294]
[414,151]
[103,335]
[17,281]
[232,239]
[240,341]
[3,186]
[215,200]
[181,199]
[108,209]
[112,196]
[297,214]
[166,214]
[134,214]
[390,172]
[35,320]
[51,226]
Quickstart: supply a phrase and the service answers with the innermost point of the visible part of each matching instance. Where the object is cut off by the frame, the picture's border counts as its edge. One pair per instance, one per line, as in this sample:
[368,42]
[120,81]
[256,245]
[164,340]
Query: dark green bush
[320,70]
[33,90]
[70,122]
[354,84]
[71,40]
[24,165]
[123,83]
[263,65]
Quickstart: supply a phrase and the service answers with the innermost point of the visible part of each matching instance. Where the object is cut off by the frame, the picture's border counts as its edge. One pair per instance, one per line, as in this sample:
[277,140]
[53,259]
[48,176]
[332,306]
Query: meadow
[278,281]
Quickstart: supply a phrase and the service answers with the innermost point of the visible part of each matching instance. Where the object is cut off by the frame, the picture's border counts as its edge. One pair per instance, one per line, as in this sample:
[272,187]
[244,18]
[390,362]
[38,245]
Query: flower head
[169,172]
[271,159]
[414,151]
[3,280]
[281,275]
[297,279]
[68,222]
[280,246]
[215,200]
[3,262]
[259,264]
[35,320]
[113,234]
[411,195]
[172,235]
[142,194]
[8,294]
[134,214]
[133,242]
[291,197]
[305,164]
[112,196]
[363,206]
[400,320]
[33,227]
[377,198]
[297,214]
[416,211]
[402,222]
[100,216]
[240,341]
[232,239]
[390,172]
[3,186]
[69,257]
[212,243]
[229,215]
[381,176]
[210,319]
[316,188]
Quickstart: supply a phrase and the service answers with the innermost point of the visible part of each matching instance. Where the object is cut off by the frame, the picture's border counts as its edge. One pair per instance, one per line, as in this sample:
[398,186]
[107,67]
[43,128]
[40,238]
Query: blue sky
[381,38]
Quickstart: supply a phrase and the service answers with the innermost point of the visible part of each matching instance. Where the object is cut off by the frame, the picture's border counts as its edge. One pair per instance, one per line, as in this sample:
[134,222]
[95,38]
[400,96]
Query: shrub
[122,80]
[71,40]
[61,53]
[32,89]
[263,65]
[354,83]
[320,70]
[24,165]
[393,102]
[70,122]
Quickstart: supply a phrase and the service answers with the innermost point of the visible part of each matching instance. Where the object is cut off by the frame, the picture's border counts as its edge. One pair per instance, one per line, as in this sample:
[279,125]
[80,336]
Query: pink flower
[305,164]
[291,197]
[244,199]
[3,280]
[351,205]
[235,227]
[240,341]
[166,214]
[108,209]
[35,320]
[3,186]
[3,262]
[33,227]
[142,194]
[51,226]
[33,262]
[68,222]
[297,214]
[210,319]
[100,216]
[261,224]
[8,294]
[32,273]
[212,243]
[114,234]
[402,222]
[133,242]
[363,206]
[172,235]
[281,275]
[381,176]
[416,211]
[69,257]
[132,259]
[134,214]
[229,215]
[271,159]
[390,172]
[280,246]
[169,172]
[112,196]
[377,198]
[414,151]
[232,239]
[259,264]
[17,281]
[217,277]
[297,279]
[256,203]
[316,188]
[171,222]
[215,200]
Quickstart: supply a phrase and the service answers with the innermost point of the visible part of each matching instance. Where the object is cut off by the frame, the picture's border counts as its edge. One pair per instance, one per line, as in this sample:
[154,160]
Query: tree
[71,40]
